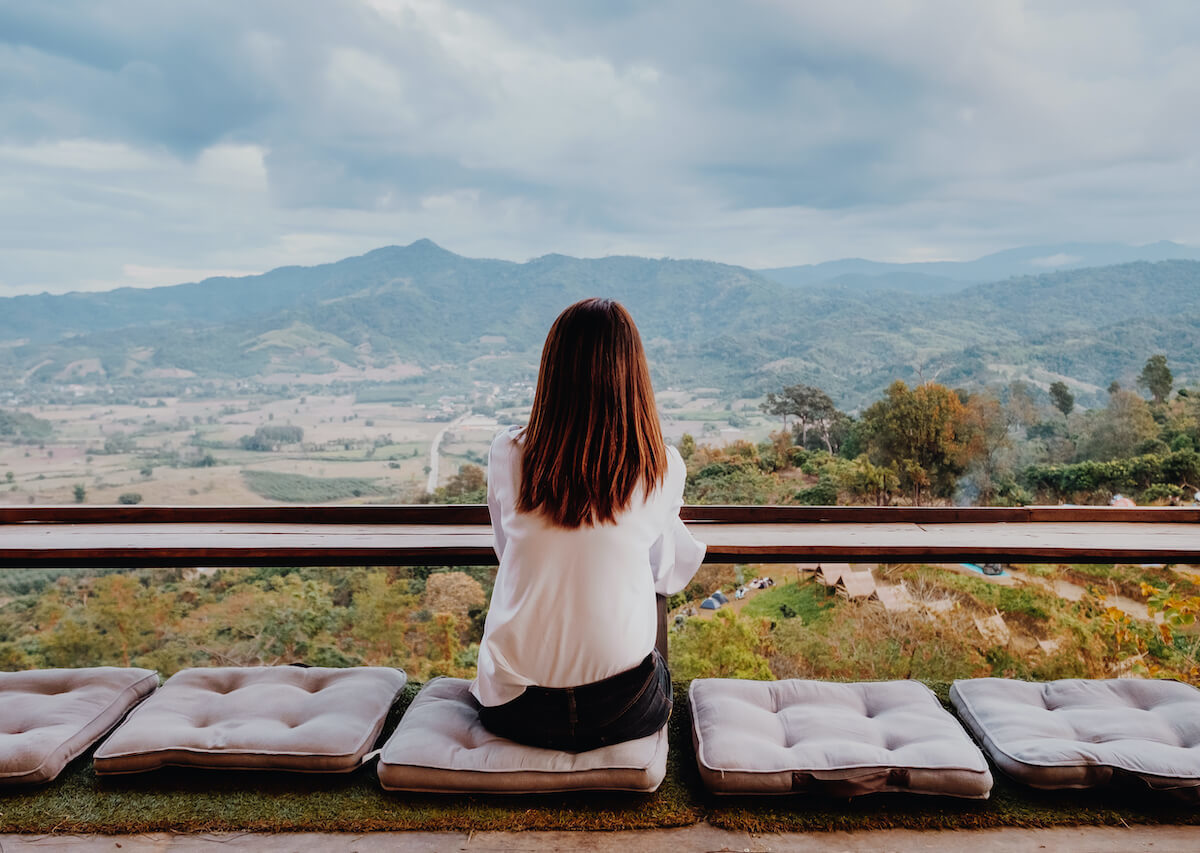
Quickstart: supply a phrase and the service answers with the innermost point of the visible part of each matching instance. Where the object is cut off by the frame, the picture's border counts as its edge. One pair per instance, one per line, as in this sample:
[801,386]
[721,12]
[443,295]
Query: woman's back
[575,605]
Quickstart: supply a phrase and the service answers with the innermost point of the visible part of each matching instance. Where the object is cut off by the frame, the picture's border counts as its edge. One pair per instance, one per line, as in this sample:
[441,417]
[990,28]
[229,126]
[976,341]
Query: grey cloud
[757,131]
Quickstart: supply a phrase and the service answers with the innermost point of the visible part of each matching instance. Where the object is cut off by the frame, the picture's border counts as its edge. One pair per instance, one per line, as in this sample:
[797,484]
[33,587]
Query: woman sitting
[584,502]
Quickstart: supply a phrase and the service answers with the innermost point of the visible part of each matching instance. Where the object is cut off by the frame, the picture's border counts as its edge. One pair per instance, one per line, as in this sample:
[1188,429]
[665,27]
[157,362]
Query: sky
[145,143]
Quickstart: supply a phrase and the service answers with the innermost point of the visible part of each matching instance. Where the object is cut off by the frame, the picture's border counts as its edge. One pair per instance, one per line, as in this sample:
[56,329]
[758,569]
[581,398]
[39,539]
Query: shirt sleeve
[498,469]
[676,555]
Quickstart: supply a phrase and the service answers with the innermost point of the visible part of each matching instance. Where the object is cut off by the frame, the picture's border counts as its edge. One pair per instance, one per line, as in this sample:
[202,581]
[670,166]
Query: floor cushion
[778,737]
[441,746]
[48,717]
[1079,733]
[308,719]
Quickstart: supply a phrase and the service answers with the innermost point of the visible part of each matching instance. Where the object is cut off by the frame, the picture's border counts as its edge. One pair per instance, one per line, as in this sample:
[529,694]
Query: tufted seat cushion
[441,746]
[1078,734]
[49,716]
[776,737]
[309,719]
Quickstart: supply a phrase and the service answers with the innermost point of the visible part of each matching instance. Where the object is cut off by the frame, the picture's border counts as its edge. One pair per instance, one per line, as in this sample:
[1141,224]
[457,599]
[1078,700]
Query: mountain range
[933,277]
[465,320]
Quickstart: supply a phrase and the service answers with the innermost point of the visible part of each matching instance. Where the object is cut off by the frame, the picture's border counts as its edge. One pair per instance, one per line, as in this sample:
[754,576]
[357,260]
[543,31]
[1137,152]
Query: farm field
[186,451]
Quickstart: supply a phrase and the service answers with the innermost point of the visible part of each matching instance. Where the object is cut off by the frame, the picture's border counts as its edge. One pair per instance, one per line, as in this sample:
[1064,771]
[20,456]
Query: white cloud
[189,137]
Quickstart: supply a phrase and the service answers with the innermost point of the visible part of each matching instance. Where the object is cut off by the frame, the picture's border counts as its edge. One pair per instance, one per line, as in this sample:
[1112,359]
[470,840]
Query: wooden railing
[444,535]
[460,535]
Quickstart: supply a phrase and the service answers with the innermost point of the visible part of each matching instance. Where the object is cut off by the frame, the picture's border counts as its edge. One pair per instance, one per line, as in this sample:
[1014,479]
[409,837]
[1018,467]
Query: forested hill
[705,324]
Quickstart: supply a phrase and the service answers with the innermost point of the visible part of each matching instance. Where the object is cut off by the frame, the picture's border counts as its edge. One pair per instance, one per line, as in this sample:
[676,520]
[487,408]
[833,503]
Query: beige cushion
[777,737]
[49,716]
[308,719]
[441,746]
[1076,734]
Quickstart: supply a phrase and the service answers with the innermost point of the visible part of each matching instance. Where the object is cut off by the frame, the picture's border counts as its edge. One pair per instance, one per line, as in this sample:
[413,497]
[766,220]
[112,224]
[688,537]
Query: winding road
[431,483]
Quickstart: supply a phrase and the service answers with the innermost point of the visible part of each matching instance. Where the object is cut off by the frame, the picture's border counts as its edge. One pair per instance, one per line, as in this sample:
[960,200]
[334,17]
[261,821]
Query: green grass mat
[192,801]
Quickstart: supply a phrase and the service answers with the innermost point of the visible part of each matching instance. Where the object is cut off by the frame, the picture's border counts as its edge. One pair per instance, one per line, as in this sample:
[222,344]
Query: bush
[823,493]
[129,498]
[267,438]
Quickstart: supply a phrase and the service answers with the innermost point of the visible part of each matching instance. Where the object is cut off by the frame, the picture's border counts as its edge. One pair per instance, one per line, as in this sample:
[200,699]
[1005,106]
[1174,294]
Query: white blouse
[573,606]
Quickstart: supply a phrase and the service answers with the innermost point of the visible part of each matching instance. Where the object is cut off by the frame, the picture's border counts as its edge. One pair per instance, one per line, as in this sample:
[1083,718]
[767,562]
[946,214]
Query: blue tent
[720,597]
[710,604]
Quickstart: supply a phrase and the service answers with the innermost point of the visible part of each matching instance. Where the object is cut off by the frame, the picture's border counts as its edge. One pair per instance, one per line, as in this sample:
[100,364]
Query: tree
[984,436]
[920,432]
[1062,397]
[468,485]
[810,406]
[866,480]
[1021,408]
[1156,378]
[269,438]
[1115,431]
[722,647]
[80,493]
[456,593]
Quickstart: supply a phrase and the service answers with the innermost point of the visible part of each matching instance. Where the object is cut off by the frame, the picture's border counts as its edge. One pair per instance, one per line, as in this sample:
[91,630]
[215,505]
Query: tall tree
[920,431]
[810,406]
[1117,430]
[1062,397]
[1156,377]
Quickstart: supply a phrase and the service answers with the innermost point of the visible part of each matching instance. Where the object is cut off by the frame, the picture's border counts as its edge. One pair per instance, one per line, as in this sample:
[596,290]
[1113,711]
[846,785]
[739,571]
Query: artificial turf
[194,801]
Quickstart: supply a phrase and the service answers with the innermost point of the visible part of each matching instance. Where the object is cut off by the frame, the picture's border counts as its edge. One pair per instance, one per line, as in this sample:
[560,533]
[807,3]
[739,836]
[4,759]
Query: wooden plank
[312,515]
[129,544]
[477,514]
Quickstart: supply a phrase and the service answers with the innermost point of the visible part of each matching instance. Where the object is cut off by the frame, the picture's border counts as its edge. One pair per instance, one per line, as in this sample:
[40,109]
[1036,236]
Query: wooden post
[661,642]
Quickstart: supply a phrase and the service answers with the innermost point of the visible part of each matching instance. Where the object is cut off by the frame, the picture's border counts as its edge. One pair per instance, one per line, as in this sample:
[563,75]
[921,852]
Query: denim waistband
[630,679]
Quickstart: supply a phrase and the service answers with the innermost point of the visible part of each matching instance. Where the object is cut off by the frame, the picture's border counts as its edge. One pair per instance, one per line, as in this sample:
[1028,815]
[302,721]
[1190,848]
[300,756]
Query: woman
[585,505]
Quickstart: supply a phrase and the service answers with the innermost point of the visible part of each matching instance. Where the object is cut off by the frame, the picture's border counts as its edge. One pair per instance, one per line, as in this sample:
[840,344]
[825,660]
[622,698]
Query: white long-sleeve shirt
[573,606]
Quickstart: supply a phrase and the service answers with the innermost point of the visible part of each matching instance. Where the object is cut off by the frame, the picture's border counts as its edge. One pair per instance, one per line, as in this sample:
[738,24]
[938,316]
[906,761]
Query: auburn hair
[593,435]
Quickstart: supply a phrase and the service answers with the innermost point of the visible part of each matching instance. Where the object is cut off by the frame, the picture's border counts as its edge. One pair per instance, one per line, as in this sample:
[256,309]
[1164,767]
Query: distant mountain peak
[426,245]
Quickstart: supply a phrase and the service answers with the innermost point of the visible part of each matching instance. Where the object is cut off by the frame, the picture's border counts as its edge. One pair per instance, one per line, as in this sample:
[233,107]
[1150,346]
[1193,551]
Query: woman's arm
[499,467]
[676,556]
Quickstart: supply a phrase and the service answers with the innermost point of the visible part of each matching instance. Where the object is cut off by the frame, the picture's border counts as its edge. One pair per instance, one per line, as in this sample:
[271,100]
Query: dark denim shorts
[626,706]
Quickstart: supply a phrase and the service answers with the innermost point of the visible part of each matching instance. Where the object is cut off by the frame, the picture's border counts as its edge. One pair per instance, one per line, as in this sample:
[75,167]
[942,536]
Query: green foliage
[824,493]
[1118,429]
[119,442]
[467,486]
[80,493]
[1136,474]
[1062,397]
[724,646]
[811,407]
[730,481]
[920,432]
[267,438]
[24,426]
[298,488]
[1156,378]
[129,498]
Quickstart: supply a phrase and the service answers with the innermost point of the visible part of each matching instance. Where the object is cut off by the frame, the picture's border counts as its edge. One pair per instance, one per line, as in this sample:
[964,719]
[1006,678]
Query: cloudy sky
[145,142]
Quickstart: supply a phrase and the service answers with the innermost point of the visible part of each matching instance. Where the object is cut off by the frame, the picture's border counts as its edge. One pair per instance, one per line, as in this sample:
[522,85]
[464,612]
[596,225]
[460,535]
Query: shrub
[129,498]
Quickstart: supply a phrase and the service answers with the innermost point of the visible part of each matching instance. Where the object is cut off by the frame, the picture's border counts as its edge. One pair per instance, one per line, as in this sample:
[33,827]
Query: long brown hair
[593,434]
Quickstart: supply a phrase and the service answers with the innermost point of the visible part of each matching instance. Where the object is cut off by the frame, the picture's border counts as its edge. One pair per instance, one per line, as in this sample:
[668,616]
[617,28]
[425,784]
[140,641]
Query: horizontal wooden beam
[327,544]
[454,514]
